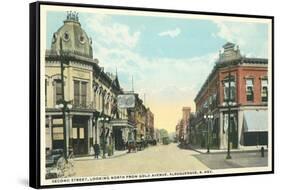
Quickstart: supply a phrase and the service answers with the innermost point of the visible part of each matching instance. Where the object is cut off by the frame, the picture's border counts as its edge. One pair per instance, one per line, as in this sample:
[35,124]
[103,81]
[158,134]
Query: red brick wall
[213,88]
[241,73]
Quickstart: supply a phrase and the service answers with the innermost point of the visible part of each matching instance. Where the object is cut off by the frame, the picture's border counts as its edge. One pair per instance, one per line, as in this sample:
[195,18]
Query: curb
[87,158]
[225,151]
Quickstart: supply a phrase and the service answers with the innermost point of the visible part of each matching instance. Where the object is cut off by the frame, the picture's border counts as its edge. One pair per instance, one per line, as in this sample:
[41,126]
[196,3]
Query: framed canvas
[122,94]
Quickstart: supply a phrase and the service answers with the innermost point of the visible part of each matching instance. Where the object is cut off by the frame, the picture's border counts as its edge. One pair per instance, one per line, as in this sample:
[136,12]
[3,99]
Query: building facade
[149,126]
[237,88]
[182,127]
[91,114]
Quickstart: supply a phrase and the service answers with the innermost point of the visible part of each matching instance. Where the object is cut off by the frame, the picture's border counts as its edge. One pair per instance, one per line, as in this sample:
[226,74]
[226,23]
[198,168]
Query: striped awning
[255,120]
[123,123]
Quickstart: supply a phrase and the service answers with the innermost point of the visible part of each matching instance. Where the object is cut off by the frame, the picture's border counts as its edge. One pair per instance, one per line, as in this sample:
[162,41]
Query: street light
[230,103]
[208,118]
[103,136]
[65,106]
[103,119]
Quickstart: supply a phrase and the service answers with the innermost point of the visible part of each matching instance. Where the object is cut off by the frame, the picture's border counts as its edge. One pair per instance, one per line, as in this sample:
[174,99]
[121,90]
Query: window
[46,92]
[57,132]
[232,90]
[83,93]
[249,90]
[58,89]
[264,91]
[80,93]
[76,93]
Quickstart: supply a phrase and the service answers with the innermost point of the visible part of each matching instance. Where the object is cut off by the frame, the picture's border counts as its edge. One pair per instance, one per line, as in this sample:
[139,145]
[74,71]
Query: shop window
[58,133]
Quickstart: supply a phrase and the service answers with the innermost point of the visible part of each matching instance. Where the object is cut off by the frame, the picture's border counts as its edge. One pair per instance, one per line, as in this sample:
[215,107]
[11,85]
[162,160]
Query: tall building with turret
[92,116]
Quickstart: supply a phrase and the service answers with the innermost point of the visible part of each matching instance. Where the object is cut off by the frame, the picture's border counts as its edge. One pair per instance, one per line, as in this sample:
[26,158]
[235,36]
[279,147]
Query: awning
[255,121]
[123,123]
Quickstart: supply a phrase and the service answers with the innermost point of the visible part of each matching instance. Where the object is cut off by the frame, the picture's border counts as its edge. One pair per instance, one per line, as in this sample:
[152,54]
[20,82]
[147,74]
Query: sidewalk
[218,151]
[115,155]
[240,158]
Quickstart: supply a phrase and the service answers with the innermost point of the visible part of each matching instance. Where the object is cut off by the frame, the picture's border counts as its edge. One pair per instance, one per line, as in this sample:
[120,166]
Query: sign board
[126,101]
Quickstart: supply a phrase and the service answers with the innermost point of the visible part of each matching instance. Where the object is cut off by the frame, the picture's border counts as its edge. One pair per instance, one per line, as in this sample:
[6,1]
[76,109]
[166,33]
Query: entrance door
[80,134]
[119,144]
[234,132]
[215,134]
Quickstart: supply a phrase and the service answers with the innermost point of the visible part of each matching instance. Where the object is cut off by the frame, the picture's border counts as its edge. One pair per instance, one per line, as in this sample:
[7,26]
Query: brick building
[182,126]
[247,80]
[149,135]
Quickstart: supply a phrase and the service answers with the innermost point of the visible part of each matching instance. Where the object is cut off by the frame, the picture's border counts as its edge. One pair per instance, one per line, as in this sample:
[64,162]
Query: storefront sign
[126,101]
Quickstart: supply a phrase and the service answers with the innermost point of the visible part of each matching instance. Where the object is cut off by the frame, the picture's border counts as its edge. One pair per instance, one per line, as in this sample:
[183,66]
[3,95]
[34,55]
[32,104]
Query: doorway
[80,135]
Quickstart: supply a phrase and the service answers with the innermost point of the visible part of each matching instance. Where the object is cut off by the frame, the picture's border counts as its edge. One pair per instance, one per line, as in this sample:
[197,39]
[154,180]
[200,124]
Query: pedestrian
[129,146]
[97,150]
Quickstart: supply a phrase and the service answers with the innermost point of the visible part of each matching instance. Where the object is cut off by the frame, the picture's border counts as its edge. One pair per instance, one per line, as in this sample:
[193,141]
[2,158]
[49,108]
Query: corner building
[87,87]
[249,93]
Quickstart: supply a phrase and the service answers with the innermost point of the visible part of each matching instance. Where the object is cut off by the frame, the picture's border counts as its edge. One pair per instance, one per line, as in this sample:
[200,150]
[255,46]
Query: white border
[45,8]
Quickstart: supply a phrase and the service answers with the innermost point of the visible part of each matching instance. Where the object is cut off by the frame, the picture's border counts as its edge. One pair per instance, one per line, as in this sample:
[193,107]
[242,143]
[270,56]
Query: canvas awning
[255,121]
[122,123]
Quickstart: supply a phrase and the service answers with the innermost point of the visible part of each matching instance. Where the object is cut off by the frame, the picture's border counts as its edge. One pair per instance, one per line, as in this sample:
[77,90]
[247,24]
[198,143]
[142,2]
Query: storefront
[122,132]
[255,127]
[80,135]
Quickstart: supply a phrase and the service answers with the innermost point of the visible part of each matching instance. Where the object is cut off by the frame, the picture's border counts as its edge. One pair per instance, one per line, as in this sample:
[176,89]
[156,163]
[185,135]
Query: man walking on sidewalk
[96,150]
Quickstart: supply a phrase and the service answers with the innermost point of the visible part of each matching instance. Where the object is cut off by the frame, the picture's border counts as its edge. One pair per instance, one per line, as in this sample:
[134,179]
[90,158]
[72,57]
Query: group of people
[130,145]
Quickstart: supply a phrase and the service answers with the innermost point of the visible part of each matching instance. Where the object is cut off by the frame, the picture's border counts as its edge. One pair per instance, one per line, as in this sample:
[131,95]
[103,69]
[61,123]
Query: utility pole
[103,127]
[229,110]
[62,60]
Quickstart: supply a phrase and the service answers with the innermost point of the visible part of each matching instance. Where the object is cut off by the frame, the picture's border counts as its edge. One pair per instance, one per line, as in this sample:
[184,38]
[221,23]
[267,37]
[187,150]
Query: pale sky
[169,58]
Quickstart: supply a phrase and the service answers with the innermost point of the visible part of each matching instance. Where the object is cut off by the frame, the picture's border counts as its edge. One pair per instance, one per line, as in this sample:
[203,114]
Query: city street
[160,158]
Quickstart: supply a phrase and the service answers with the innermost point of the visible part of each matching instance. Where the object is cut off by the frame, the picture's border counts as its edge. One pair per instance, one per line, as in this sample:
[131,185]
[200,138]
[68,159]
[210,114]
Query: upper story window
[250,90]
[46,83]
[83,93]
[229,89]
[58,91]
[80,93]
[264,90]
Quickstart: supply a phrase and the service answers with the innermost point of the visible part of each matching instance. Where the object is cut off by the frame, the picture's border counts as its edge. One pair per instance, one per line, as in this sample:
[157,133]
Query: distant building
[249,94]
[142,118]
[149,134]
[182,126]
[156,135]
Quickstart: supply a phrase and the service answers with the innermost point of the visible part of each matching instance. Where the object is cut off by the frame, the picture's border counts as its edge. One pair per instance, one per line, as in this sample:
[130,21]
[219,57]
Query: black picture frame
[35,86]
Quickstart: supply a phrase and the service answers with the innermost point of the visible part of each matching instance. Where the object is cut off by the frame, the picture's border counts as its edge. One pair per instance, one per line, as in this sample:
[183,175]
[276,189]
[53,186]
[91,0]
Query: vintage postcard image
[134,95]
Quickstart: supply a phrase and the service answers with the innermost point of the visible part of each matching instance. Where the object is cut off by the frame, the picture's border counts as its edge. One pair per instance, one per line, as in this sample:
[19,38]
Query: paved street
[160,158]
